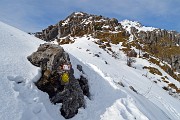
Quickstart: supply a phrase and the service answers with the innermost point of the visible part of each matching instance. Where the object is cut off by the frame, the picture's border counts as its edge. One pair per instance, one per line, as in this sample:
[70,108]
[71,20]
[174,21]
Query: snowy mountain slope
[117,71]
[20,99]
[111,102]
[14,46]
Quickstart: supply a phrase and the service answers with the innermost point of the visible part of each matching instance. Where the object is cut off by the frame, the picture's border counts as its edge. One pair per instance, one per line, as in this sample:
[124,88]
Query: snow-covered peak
[79,13]
[127,24]
[83,18]
[131,23]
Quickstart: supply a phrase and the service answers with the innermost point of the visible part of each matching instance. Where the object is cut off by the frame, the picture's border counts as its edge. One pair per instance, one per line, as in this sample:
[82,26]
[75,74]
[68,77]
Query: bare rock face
[157,35]
[133,30]
[164,39]
[47,55]
[78,24]
[51,58]
[176,62]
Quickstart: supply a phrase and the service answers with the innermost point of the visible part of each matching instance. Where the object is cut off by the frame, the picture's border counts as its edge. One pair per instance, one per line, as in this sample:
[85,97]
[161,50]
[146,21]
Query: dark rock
[121,84]
[79,67]
[84,86]
[155,81]
[133,30]
[146,55]
[51,58]
[132,88]
[72,99]
[165,88]
[114,21]
[132,53]
[176,62]
[97,55]
[87,50]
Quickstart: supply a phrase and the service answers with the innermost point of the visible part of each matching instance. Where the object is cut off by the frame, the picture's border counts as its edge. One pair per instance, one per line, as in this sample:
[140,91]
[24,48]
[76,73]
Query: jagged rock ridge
[78,24]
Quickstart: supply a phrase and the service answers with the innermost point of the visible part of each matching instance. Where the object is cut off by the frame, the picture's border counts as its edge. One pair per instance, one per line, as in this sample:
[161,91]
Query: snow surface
[127,24]
[118,103]
[21,100]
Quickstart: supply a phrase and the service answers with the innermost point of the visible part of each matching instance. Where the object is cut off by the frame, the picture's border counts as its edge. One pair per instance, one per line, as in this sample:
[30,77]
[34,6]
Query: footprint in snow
[37,109]
[19,82]
[17,79]
[26,91]
[27,94]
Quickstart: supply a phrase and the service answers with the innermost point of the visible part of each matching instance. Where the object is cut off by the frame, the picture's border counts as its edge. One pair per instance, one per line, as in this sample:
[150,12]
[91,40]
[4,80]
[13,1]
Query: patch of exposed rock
[51,58]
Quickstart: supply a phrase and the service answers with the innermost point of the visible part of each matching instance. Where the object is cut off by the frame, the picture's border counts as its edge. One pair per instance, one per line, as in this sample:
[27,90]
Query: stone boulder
[132,53]
[84,86]
[133,30]
[50,58]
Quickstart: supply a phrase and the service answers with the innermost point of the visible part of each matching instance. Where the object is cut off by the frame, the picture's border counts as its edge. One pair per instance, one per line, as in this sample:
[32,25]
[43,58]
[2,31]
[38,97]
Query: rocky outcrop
[51,59]
[175,62]
[84,86]
[132,53]
[79,24]
[48,34]
[157,35]
[165,44]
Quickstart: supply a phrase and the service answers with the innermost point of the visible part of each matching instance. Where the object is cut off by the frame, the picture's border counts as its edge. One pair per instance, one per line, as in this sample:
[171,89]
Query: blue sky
[34,15]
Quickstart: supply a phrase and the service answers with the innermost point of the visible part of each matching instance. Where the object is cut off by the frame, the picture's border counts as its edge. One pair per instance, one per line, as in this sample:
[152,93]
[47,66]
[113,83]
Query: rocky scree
[49,57]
